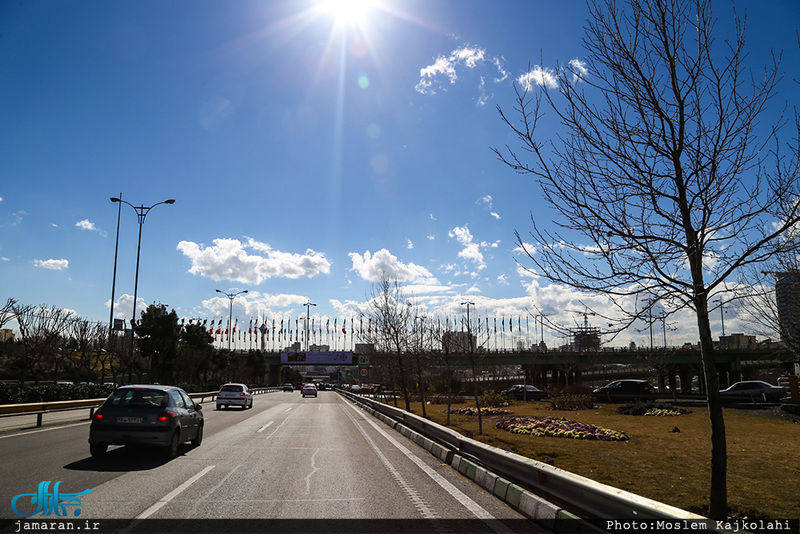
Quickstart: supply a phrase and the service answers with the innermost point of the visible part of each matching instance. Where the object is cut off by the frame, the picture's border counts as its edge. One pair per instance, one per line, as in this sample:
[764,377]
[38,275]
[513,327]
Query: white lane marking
[172,494]
[419,503]
[461,497]
[23,433]
[264,427]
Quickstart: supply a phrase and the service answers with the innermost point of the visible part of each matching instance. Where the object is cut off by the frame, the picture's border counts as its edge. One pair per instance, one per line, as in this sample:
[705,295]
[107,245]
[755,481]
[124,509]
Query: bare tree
[392,332]
[42,330]
[665,179]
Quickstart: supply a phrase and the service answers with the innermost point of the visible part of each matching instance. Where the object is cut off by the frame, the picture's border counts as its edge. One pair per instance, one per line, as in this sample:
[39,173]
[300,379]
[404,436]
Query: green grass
[666,466]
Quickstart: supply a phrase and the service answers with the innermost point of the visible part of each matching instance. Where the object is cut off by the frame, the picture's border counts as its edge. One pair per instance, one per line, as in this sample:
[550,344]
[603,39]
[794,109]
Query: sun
[349,12]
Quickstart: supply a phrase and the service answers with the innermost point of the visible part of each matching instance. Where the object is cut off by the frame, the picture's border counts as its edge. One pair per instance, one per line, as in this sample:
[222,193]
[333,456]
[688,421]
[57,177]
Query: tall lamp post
[141,213]
[231,296]
[308,319]
[114,277]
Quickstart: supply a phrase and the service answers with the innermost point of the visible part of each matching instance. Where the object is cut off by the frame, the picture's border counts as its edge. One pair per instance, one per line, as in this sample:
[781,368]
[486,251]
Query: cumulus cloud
[538,76]
[372,266]
[579,70]
[55,265]
[251,261]
[445,68]
[472,249]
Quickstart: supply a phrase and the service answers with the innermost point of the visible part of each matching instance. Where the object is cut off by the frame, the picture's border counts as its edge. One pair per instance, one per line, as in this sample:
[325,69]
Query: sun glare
[351,12]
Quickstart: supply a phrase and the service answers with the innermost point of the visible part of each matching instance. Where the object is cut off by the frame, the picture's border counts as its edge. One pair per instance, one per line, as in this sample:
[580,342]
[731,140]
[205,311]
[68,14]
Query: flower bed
[658,409]
[484,411]
[559,428]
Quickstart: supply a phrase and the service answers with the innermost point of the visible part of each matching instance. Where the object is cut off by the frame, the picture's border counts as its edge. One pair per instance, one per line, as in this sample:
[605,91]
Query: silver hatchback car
[234,395]
[161,416]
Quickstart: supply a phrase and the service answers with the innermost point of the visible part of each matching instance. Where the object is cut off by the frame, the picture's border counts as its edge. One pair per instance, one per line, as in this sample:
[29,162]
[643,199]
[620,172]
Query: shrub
[561,399]
[484,411]
[495,398]
[651,409]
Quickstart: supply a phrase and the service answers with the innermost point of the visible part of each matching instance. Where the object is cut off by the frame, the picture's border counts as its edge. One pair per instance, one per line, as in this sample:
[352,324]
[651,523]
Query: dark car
[625,390]
[288,387]
[154,415]
[523,392]
[753,391]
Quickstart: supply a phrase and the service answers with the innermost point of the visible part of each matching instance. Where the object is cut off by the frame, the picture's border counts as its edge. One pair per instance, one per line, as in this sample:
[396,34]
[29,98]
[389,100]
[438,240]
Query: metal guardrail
[39,409]
[572,493]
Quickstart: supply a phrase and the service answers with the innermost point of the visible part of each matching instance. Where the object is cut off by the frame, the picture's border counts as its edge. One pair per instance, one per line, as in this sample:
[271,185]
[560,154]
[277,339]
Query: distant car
[355,388]
[153,415]
[309,390]
[234,395]
[753,390]
[625,390]
[288,387]
[525,392]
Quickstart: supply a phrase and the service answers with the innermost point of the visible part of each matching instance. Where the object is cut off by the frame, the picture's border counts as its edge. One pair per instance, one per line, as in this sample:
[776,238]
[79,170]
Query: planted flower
[484,411]
[559,428]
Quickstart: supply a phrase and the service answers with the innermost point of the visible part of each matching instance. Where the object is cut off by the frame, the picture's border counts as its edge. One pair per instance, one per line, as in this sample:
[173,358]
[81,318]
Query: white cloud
[371,267]
[538,76]
[230,259]
[469,57]
[410,244]
[495,215]
[86,224]
[471,250]
[55,265]
[579,70]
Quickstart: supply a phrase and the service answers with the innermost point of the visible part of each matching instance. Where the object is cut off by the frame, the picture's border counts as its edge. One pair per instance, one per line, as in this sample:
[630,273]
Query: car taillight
[241,394]
[98,415]
[165,416]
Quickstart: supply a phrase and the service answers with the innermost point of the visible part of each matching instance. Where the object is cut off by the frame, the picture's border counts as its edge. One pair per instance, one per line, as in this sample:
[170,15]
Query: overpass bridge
[676,367]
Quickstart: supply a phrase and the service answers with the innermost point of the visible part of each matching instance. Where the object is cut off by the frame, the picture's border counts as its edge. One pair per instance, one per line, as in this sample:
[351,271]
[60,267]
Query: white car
[232,394]
[754,390]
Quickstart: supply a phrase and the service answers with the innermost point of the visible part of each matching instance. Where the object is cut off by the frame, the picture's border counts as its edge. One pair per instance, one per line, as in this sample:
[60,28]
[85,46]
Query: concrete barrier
[539,491]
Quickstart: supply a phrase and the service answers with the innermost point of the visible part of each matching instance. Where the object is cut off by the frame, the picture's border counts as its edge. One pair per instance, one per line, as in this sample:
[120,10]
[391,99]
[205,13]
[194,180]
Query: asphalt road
[288,458]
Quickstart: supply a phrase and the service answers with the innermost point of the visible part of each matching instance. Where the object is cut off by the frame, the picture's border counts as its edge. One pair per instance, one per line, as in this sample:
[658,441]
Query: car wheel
[218,406]
[198,439]
[172,449]
[98,449]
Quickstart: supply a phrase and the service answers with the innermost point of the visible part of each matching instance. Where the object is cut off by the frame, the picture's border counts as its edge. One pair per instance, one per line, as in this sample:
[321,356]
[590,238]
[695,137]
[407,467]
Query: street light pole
[230,296]
[114,276]
[141,213]
[308,319]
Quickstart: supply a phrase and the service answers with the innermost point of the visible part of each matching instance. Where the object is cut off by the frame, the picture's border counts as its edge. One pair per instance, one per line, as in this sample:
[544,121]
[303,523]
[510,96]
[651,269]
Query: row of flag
[282,329]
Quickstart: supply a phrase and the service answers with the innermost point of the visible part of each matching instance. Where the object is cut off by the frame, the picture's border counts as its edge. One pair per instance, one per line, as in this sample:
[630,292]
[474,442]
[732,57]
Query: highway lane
[288,457]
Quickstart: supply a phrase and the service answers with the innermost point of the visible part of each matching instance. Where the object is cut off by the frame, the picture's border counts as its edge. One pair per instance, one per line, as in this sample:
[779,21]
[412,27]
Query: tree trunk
[718,505]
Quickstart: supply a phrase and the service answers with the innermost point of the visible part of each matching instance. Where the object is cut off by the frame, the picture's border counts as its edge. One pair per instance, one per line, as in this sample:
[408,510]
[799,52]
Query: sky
[309,146]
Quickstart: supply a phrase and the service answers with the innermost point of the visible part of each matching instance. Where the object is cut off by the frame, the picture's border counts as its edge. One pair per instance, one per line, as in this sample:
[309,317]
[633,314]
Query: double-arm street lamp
[231,296]
[141,212]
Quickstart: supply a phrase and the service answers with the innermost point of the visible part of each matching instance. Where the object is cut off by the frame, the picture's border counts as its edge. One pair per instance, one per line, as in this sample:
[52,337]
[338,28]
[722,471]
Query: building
[737,341]
[6,334]
[459,342]
[787,298]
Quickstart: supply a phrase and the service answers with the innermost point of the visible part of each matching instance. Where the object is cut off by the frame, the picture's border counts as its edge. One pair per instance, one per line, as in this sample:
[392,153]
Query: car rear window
[141,397]
[230,387]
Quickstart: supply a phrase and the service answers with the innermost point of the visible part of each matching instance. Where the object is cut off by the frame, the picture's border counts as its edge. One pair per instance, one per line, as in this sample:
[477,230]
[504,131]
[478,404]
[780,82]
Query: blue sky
[307,151]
